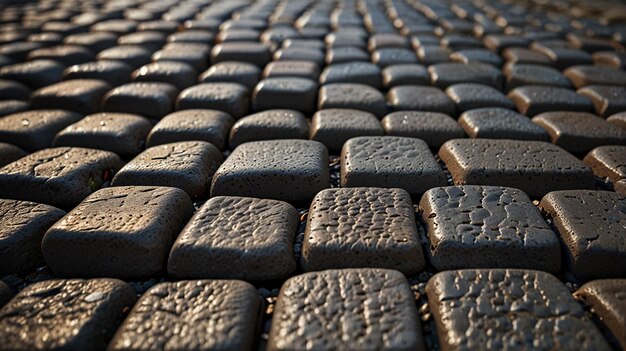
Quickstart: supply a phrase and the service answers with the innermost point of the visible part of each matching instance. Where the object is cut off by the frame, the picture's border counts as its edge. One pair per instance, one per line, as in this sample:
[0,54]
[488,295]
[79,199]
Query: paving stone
[243,73]
[420,98]
[608,162]
[333,310]
[433,54]
[35,130]
[582,76]
[257,234]
[345,38]
[298,69]
[445,74]
[390,162]
[333,127]
[152,39]
[13,90]
[566,57]
[35,74]
[6,294]
[531,100]
[18,51]
[9,107]
[362,227]
[535,167]
[607,100]
[187,165]
[460,42]
[121,133]
[10,153]
[352,72]
[405,74]
[117,26]
[254,53]
[606,297]
[80,95]
[591,225]
[618,119]
[589,44]
[115,73]
[94,41]
[499,42]
[67,55]
[60,177]
[609,58]
[487,227]
[244,35]
[134,55]
[481,309]
[23,225]
[433,127]
[232,98]
[195,55]
[192,36]
[500,123]
[148,99]
[352,96]
[476,55]
[579,132]
[105,235]
[206,125]
[179,74]
[469,96]
[346,54]
[293,93]
[393,56]
[300,54]
[525,56]
[518,75]
[65,314]
[378,41]
[215,314]
[269,125]
[289,170]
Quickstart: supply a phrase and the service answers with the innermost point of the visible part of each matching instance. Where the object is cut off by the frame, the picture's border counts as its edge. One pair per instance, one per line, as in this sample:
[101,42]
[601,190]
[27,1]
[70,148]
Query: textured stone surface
[352,96]
[35,130]
[508,309]
[366,309]
[579,132]
[606,100]
[469,96]
[187,165]
[445,74]
[487,227]
[232,98]
[254,53]
[608,162]
[362,227]
[531,100]
[390,162]
[152,100]
[65,314]
[36,74]
[333,127]
[243,238]
[121,133]
[535,167]
[420,98]
[500,123]
[115,73]
[300,69]
[269,125]
[243,73]
[123,232]
[80,95]
[294,93]
[289,170]
[352,72]
[582,76]
[607,297]
[10,153]
[433,127]
[22,225]
[205,125]
[405,74]
[214,314]
[591,224]
[518,75]
[134,55]
[193,54]
[179,74]
[60,177]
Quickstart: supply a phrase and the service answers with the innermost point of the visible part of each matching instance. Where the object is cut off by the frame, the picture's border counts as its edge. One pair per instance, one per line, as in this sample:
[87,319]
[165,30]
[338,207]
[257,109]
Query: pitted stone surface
[531,100]
[607,297]
[187,165]
[608,162]
[22,226]
[352,72]
[469,96]
[152,100]
[121,133]
[433,127]
[206,125]
[487,227]
[535,167]
[406,74]
[269,125]
[362,227]
[445,74]
[115,73]
[294,93]
[352,96]
[301,69]
[518,75]
[420,98]
[333,127]
[289,170]
[123,232]
[232,98]
[134,55]
[10,153]
[214,314]
[179,74]
[65,314]
[61,176]
[390,162]
[508,308]
[500,123]
[591,224]
[582,76]
[36,74]
[243,73]
[80,95]
[35,130]
[606,99]
[365,309]
[243,238]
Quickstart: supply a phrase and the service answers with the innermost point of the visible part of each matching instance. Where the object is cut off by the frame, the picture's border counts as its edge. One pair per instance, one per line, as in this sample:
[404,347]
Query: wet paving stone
[487,227]
[294,93]
[179,74]
[443,75]
[269,125]
[115,73]
[288,170]
[315,309]
[353,72]
[299,69]
[608,162]
[469,96]
[333,127]
[134,55]
[467,303]
[420,98]
[607,100]
[518,75]
[254,53]
[151,100]
[535,167]
[35,74]
[390,162]
[531,100]
[433,127]
[10,153]
[232,98]
[215,314]
[594,246]
[500,123]
[244,73]
[195,124]
[80,95]
[404,74]
[23,225]
[362,227]
[106,236]
[582,76]
[256,233]
[57,314]
[352,96]
[35,130]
